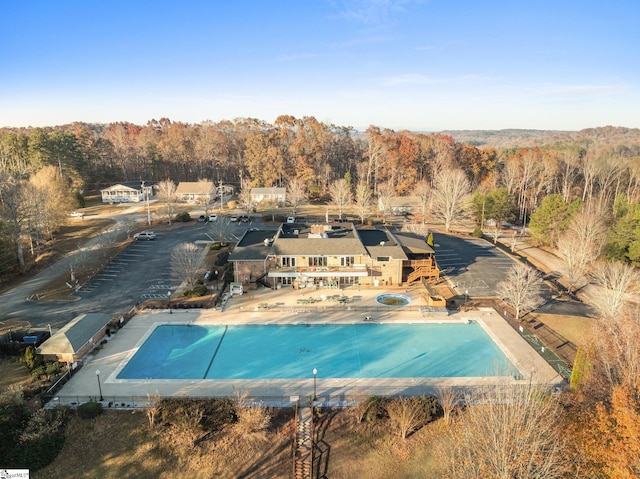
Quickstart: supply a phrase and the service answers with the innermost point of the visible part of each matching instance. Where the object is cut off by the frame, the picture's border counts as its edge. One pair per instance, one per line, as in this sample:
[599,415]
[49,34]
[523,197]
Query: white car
[233,218]
[77,214]
[213,218]
[145,235]
[291,219]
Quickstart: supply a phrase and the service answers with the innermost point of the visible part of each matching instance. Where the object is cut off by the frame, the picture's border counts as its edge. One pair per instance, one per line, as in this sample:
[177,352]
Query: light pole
[216,273]
[99,385]
[466,297]
[315,373]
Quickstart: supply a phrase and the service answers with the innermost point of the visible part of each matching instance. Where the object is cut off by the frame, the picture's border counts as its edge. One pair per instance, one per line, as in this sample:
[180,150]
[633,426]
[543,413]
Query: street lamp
[216,273]
[99,385]
[466,297]
[315,373]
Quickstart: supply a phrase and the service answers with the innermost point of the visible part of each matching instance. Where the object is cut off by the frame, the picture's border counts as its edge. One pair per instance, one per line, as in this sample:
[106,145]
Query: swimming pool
[337,351]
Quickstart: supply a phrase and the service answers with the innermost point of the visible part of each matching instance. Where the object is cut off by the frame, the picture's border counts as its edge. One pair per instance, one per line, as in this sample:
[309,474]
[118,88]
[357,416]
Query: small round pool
[392,299]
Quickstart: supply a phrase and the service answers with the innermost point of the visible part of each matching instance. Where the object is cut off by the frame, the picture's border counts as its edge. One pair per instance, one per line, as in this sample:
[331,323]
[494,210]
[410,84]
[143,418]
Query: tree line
[45,172]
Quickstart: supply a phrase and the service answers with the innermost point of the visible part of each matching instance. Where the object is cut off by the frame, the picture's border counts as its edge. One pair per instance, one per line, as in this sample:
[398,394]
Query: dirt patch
[14,372]
[120,444]
[371,450]
[574,328]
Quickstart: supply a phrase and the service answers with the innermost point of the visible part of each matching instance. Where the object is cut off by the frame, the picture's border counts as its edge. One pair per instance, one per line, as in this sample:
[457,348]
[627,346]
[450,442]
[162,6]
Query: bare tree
[253,417]
[419,229]
[341,196]
[167,193]
[220,229]
[618,282]
[450,190]
[407,414]
[521,288]
[244,196]
[505,432]
[129,224]
[449,399]
[422,191]
[296,194]
[54,199]
[580,246]
[363,199]
[185,262]
[569,172]
[385,195]
[153,408]
[13,200]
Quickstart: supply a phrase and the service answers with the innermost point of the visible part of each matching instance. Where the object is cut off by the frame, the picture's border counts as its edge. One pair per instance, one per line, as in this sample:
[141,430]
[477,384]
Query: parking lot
[473,267]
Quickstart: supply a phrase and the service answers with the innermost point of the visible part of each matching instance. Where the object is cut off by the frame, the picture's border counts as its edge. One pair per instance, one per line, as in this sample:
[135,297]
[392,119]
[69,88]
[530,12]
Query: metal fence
[558,351]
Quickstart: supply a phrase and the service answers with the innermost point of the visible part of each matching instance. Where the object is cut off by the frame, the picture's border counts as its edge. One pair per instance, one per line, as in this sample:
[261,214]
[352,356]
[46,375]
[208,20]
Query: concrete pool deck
[251,308]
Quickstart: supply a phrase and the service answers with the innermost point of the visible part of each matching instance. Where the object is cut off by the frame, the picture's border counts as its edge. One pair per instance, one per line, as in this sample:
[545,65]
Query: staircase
[423,269]
[261,280]
[304,444]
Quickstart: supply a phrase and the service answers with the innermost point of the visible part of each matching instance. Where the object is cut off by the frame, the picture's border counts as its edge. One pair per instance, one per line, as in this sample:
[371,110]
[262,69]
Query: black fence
[558,351]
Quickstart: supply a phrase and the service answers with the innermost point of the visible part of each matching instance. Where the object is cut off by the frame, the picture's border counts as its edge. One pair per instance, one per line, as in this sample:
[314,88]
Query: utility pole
[146,194]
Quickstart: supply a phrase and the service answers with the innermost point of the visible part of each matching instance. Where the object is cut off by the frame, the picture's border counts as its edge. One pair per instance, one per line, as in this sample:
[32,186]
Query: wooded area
[46,171]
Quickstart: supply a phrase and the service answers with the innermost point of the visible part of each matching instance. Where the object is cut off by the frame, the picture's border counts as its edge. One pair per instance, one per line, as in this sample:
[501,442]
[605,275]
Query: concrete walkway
[246,309]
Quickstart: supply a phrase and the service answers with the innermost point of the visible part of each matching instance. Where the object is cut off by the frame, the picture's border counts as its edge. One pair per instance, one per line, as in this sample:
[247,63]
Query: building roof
[126,185]
[318,240]
[414,243]
[194,187]
[382,243]
[268,191]
[252,246]
[75,334]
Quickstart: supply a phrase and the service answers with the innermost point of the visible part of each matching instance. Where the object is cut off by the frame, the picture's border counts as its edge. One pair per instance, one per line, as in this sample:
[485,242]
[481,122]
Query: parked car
[213,218]
[145,235]
[233,218]
[202,219]
[77,214]
[245,219]
[291,219]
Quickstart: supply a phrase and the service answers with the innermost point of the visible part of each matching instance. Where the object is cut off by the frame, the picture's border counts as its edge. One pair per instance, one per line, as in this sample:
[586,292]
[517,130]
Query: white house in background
[273,195]
[401,204]
[127,192]
[203,192]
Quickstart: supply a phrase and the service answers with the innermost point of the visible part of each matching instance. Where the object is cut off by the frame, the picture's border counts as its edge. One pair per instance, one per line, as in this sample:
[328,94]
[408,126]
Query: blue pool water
[337,351]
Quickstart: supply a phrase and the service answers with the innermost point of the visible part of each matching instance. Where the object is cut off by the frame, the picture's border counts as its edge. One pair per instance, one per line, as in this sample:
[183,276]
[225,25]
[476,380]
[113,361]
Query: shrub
[376,408]
[31,359]
[79,197]
[184,217]
[197,291]
[215,246]
[89,410]
[477,232]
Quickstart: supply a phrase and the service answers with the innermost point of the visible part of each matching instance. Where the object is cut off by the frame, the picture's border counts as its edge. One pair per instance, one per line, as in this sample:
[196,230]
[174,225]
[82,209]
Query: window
[317,261]
[288,261]
[347,260]
[382,258]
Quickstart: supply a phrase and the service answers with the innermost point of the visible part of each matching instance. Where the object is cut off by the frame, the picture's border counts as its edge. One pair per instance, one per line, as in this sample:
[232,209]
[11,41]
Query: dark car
[245,219]
[202,219]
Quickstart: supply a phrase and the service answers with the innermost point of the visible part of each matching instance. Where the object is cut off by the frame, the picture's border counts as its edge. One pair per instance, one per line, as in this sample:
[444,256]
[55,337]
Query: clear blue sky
[422,65]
